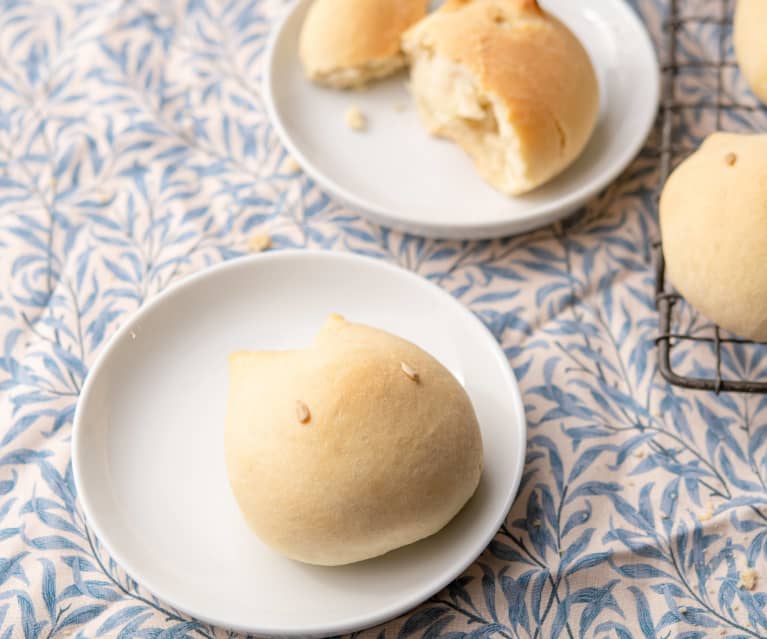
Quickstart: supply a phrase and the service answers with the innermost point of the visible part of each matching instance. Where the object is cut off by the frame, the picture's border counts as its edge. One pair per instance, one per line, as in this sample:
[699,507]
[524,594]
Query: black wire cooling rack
[710,106]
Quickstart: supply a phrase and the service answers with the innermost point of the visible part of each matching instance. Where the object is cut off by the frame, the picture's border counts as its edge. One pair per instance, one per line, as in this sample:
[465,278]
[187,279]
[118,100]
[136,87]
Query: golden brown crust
[528,59]
[531,6]
[388,455]
[713,216]
[751,44]
[350,34]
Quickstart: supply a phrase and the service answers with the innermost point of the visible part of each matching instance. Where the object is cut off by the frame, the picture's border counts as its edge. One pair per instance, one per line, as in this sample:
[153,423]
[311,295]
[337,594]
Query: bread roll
[713,217]
[751,43]
[347,43]
[358,445]
[509,83]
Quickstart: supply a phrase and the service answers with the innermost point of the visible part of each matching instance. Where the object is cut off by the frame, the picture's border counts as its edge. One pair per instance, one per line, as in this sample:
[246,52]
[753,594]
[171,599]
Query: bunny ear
[531,5]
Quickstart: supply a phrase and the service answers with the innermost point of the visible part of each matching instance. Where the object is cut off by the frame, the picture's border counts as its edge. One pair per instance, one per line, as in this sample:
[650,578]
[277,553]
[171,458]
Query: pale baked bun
[347,43]
[751,43]
[509,83]
[713,217]
[358,445]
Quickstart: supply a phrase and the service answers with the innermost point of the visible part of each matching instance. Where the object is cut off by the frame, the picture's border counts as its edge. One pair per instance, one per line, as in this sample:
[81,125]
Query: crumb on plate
[355,119]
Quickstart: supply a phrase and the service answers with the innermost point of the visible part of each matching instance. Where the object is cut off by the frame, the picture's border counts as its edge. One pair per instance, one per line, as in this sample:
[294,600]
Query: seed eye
[302,412]
[409,371]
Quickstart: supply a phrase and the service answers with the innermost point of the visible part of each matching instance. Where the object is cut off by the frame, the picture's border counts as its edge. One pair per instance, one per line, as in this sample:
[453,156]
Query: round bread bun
[358,445]
[713,218]
[509,83]
[751,43]
[347,43]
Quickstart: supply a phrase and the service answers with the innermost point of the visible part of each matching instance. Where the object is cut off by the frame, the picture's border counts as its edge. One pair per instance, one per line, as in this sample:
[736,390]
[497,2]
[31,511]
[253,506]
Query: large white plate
[148,442]
[398,176]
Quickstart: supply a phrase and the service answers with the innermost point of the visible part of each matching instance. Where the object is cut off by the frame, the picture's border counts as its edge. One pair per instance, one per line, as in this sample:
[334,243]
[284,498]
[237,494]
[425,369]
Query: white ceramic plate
[399,176]
[148,442]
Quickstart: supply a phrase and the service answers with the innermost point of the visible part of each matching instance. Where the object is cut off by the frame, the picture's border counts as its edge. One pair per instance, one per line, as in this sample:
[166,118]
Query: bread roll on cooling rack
[713,217]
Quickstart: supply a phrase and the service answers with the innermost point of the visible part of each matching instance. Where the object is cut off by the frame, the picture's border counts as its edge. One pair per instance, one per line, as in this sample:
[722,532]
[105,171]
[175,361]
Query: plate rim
[544,213]
[352,623]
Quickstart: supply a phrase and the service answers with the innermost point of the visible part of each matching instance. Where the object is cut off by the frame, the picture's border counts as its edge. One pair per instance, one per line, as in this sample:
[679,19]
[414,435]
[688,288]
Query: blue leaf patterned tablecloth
[134,150]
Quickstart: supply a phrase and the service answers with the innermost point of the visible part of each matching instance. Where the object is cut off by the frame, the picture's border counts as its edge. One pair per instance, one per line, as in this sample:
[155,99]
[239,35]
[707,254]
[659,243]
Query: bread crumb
[730,159]
[736,607]
[682,610]
[640,454]
[290,165]
[706,514]
[355,119]
[537,523]
[748,578]
[259,242]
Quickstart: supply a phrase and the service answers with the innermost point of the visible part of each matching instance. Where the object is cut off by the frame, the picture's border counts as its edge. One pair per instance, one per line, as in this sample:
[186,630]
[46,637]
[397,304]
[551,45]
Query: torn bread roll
[348,449]
[346,44]
[750,38]
[509,83]
[713,220]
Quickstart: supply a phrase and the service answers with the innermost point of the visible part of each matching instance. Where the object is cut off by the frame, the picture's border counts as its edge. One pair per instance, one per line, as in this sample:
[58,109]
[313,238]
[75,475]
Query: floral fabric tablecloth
[134,150]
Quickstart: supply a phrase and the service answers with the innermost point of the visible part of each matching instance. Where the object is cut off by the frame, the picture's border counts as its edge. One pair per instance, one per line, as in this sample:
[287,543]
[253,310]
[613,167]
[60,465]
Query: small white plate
[399,176]
[148,442]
